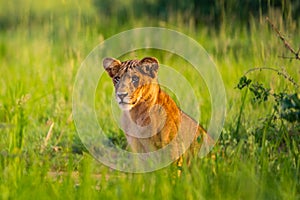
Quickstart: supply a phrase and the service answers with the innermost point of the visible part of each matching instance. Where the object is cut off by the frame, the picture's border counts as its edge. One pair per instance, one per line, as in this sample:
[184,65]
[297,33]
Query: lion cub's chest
[144,124]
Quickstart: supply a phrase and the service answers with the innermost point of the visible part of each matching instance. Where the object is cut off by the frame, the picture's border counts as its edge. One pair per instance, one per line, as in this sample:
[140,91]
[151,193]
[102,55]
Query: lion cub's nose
[121,95]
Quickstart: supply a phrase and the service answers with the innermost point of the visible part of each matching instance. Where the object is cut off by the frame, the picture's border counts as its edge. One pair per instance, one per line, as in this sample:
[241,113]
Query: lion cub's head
[134,80]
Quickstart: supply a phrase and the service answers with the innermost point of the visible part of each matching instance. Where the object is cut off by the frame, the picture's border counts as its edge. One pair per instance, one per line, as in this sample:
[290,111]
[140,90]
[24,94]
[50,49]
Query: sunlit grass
[40,55]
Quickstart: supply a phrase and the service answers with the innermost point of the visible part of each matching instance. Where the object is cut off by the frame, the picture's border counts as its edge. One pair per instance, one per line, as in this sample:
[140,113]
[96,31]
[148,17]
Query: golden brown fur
[151,119]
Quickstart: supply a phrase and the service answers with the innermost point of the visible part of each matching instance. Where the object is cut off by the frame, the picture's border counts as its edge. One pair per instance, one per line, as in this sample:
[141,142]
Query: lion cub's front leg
[134,144]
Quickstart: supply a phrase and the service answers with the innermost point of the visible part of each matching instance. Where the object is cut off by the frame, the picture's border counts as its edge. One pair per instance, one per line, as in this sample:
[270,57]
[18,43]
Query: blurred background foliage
[43,43]
[197,12]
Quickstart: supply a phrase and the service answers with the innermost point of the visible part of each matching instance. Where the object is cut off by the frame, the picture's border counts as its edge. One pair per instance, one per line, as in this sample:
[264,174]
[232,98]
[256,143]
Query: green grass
[41,49]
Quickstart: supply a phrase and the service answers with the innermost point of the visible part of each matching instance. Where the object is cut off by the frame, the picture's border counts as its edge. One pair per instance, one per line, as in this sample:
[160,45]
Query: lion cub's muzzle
[123,100]
[121,97]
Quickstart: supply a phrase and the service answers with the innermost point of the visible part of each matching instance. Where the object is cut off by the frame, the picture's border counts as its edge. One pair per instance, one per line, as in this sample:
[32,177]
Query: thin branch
[286,43]
[281,73]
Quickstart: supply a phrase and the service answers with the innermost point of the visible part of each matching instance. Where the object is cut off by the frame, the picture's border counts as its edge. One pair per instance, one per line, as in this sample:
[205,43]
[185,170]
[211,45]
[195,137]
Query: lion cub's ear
[112,66]
[149,66]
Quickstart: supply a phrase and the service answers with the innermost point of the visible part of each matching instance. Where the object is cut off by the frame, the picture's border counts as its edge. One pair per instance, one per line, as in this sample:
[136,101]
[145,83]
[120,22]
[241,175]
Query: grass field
[42,45]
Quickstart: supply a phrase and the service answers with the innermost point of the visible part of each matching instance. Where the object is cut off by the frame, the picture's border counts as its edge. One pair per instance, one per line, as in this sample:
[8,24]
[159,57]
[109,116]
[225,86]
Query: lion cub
[151,120]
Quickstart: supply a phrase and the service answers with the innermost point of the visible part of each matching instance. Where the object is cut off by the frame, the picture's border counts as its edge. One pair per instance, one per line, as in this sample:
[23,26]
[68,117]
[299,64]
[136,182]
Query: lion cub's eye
[116,80]
[135,79]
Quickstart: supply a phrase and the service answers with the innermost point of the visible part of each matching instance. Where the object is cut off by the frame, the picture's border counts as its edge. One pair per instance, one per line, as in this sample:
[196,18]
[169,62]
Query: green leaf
[244,82]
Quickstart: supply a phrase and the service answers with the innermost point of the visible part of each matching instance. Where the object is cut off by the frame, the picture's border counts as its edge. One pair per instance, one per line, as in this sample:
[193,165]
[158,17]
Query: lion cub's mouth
[124,103]
[127,105]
